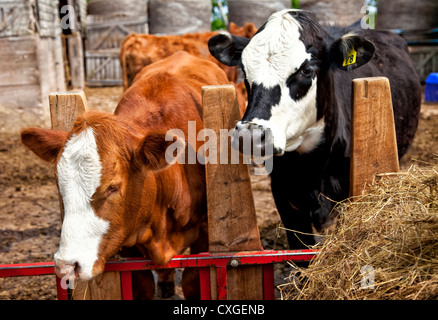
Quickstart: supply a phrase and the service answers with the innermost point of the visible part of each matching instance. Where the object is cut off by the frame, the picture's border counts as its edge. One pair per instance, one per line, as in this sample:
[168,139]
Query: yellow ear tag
[351,59]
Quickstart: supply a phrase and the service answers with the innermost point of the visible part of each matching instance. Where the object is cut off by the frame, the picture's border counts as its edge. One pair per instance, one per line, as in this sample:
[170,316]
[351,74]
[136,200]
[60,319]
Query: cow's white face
[281,76]
[282,63]
[79,173]
[106,178]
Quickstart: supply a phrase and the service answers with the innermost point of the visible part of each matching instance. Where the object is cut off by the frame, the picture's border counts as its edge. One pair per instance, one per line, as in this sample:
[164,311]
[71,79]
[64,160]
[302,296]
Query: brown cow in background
[139,50]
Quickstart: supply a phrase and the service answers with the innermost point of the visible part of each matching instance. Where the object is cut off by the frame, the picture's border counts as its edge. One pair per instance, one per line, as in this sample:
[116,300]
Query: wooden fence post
[232,224]
[373,140]
[64,108]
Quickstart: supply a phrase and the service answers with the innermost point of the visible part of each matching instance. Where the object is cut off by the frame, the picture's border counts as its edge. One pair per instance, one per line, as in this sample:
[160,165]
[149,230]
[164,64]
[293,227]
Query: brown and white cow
[117,188]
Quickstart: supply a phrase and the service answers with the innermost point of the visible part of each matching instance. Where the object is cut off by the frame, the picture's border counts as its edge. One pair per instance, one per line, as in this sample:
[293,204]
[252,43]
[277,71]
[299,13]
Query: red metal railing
[203,261]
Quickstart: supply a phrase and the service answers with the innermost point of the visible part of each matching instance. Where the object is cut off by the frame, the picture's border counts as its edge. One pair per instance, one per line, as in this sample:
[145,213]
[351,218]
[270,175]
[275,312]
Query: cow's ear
[227,48]
[158,150]
[45,143]
[351,52]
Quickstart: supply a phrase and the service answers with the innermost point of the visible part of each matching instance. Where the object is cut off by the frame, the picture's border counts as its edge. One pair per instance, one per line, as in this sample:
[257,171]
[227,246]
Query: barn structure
[31,62]
[109,22]
[107,25]
[73,14]
[40,56]
[417,22]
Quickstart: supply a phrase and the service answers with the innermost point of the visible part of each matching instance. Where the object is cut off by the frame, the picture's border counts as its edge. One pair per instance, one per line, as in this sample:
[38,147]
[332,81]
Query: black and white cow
[298,77]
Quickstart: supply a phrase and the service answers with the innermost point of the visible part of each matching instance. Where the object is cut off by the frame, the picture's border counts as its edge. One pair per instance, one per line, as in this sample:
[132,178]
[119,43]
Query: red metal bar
[222,286]
[204,279]
[126,283]
[62,293]
[26,269]
[212,260]
[180,261]
[203,261]
[268,282]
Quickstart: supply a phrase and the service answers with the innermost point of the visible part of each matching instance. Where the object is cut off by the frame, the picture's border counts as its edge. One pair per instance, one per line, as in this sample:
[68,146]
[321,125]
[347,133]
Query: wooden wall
[107,25]
[31,63]
[27,17]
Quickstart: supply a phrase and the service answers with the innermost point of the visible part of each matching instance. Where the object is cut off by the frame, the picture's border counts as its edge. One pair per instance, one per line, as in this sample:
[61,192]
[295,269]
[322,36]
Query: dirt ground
[29,207]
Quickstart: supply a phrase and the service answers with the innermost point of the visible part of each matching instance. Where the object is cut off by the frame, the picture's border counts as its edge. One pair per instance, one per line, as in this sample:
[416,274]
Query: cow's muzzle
[68,272]
[72,270]
[254,140]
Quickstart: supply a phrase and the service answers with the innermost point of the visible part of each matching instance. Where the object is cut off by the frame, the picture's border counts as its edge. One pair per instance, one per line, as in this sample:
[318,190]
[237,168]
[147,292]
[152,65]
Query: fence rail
[204,261]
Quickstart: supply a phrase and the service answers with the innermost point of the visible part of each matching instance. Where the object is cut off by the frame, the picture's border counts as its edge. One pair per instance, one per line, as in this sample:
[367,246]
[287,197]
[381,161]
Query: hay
[385,245]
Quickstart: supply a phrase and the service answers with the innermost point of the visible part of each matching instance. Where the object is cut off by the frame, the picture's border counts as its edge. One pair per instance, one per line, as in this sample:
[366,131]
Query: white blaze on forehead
[79,172]
[276,52]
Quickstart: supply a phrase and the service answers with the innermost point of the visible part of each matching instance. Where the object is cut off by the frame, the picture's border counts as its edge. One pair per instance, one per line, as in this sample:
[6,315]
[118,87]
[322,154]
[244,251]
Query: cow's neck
[164,217]
[336,115]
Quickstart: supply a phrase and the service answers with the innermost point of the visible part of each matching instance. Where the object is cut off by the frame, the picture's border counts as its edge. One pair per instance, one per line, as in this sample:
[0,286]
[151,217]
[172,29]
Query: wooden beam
[373,139]
[65,107]
[232,224]
[103,287]
[76,60]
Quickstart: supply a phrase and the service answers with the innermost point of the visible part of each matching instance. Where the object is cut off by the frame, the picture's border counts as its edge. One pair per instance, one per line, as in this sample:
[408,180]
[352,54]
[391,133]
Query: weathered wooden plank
[20,70]
[232,223]
[17,18]
[105,286]
[373,144]
[65,107]
[103,67]
[30,68]
[27,17]
[48,18]
[228,185]
[18,61]
[52,76]
[76,60]
[109,32]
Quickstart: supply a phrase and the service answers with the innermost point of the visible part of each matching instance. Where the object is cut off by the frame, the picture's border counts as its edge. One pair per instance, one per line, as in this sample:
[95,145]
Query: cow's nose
[252,139]
[66,270]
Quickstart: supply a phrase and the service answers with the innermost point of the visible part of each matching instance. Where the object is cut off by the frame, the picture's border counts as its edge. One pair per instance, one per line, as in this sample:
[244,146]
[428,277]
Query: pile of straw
[385,245]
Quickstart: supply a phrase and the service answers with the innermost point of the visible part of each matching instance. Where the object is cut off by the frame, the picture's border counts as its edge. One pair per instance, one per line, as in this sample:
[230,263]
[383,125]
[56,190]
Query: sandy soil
[29,207]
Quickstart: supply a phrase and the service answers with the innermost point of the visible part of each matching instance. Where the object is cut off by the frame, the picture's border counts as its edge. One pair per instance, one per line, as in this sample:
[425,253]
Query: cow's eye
[307,71]
[111,189]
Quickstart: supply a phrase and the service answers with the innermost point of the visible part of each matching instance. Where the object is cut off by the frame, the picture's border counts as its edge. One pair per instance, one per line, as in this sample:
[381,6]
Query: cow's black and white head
[282,63]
